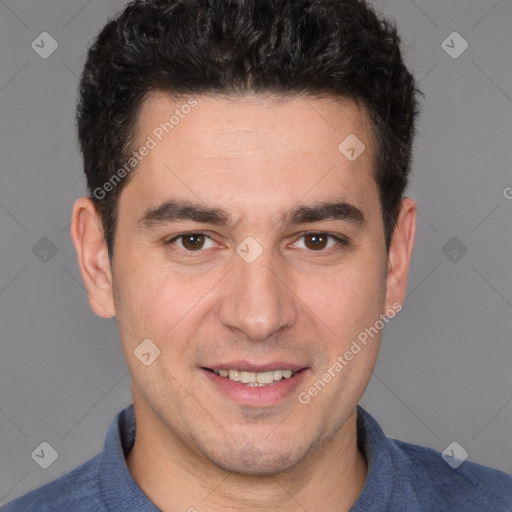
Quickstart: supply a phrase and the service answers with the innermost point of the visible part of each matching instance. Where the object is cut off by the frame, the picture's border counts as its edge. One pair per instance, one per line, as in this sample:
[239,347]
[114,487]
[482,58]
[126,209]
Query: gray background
[444,370]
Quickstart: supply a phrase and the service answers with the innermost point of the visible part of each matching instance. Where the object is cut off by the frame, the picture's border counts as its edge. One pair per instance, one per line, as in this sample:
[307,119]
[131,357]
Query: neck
[174,477]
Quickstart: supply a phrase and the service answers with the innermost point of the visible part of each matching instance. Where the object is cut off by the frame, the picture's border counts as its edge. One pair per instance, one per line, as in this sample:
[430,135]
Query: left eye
[318,241]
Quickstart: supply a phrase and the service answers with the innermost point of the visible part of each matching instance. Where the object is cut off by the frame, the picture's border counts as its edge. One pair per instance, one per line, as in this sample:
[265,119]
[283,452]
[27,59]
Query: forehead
[254,149]
[296,122]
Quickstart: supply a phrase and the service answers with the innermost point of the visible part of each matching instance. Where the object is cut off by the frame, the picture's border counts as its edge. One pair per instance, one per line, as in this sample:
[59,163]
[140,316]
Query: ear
[400,252]
[93,259]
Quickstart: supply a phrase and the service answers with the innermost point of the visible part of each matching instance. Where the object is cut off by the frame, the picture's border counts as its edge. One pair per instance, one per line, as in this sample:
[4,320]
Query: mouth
[256,386]
[254,379]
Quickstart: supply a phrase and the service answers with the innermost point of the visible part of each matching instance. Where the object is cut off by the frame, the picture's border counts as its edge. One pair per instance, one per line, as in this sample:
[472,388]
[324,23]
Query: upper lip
[245,366]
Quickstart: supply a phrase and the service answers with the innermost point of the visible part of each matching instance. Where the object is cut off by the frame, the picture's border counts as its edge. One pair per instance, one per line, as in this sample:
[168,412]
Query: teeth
[234,375]
[246,377]
[255,378]
[265,377]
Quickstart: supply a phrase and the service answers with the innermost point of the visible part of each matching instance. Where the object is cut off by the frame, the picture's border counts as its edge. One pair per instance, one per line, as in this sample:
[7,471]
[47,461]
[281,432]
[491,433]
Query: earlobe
[91,248]
[400,253]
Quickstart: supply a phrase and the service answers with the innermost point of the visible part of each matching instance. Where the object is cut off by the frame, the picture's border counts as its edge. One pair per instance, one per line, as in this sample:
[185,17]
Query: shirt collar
[118,487]
[372,442]
[121,492]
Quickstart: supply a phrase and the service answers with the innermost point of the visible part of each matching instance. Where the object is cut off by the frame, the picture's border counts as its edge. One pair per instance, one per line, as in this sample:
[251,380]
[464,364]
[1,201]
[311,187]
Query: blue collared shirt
[401,478]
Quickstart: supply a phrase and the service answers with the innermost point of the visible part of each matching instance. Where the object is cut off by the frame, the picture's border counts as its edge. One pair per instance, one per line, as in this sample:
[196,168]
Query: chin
[250,461]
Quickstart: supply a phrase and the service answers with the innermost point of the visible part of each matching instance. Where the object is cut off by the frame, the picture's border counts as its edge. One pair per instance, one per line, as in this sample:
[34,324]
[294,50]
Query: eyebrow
[174,210]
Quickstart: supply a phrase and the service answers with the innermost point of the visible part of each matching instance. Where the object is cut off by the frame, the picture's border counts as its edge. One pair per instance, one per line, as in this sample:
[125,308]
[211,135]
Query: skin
[257,158]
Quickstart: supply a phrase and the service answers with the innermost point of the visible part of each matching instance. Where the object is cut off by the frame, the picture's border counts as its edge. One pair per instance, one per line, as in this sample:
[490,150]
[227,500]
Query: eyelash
[343,242]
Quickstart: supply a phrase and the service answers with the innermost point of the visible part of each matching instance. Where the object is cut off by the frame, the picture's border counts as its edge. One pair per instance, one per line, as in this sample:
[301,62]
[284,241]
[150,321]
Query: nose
[258,298]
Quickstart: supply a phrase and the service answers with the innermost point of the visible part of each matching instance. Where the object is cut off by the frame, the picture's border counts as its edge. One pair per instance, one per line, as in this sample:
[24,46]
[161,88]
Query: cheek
[142,294]
[346,300]
[157,303]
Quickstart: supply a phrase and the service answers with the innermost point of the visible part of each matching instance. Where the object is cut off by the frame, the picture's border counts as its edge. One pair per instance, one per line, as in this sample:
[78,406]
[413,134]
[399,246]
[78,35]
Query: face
[248,243]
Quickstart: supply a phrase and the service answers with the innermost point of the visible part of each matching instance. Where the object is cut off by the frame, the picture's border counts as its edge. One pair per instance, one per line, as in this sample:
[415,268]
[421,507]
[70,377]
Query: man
[246,226]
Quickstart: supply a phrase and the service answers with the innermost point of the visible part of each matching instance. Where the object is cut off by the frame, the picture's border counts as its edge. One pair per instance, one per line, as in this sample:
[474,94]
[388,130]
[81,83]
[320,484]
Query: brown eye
[321,242]
[316,241]
[193,242]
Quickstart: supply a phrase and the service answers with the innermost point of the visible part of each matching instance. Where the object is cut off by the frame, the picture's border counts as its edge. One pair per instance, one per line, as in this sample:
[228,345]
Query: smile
[248,387]
[254,379]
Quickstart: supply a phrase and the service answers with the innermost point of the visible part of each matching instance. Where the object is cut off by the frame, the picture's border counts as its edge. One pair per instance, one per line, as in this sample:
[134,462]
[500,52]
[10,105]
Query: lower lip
[256,396]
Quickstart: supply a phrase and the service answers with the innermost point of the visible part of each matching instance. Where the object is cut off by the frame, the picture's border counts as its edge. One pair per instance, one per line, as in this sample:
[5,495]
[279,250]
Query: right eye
[190,242]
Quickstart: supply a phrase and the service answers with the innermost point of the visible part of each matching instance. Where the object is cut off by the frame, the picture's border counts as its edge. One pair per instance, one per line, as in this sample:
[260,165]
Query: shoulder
[430,479]
[77,490]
